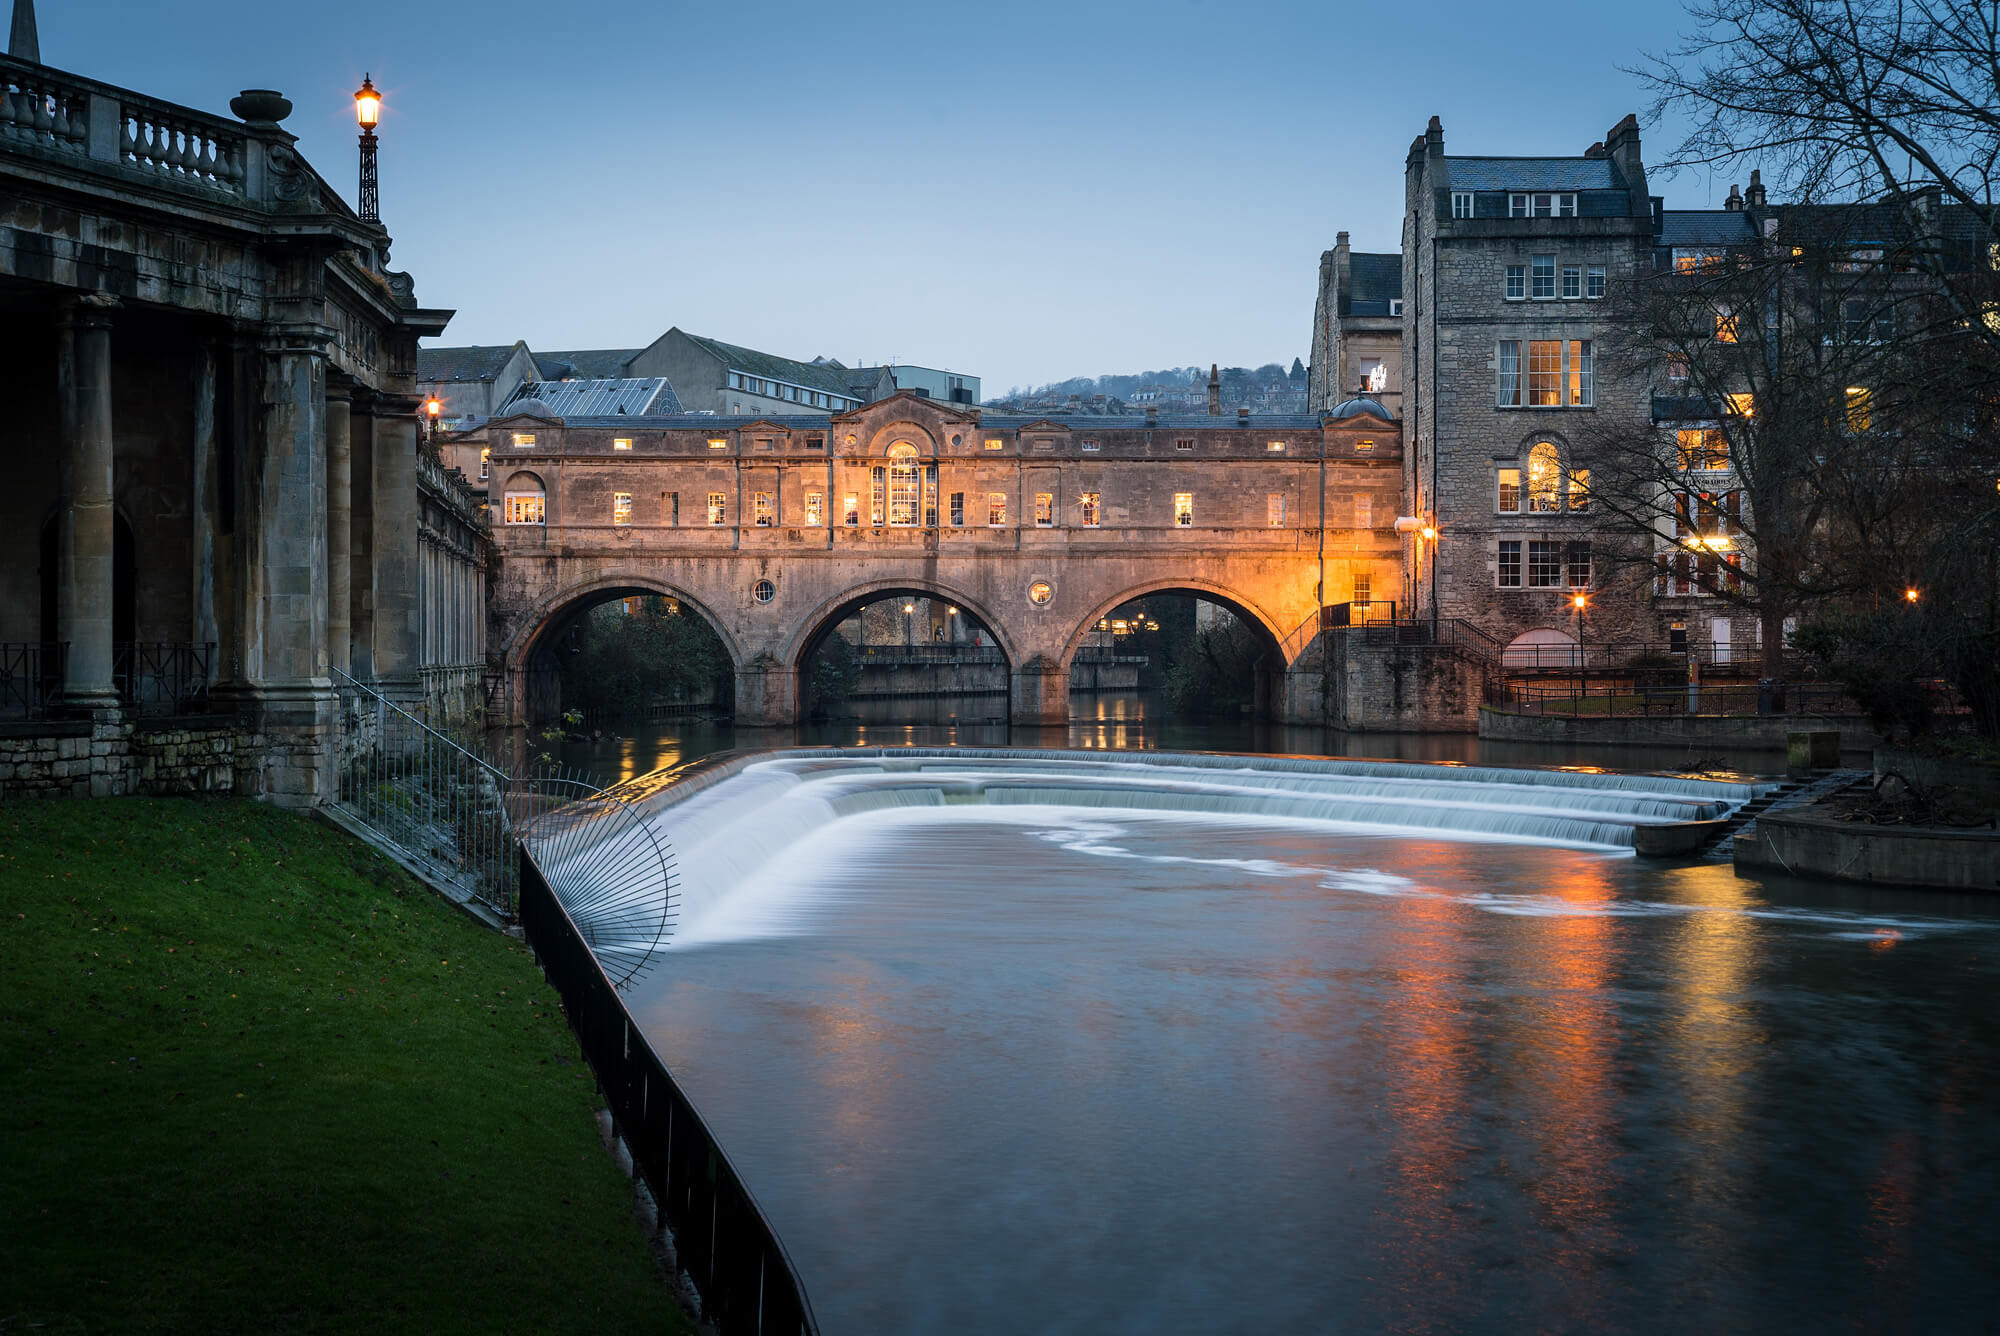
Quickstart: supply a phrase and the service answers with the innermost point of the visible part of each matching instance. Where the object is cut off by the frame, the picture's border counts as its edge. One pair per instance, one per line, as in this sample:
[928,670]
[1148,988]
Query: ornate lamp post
[367,111]
[1580,602]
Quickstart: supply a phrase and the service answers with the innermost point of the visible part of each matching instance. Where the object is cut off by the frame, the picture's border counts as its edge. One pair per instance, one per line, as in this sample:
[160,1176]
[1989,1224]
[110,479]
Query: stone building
[716,377]
[470,384]
[1505,267]
[1033,528]
[218,498]
[1357,328]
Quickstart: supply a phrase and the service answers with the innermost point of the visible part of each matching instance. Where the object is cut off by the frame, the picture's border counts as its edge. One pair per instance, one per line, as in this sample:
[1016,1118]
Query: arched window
[905,492]
[526,502]
[1544,477]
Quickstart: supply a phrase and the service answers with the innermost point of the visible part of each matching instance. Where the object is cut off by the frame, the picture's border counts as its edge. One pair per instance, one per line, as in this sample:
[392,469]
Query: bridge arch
[802,646]
[530,642]
[1269,690]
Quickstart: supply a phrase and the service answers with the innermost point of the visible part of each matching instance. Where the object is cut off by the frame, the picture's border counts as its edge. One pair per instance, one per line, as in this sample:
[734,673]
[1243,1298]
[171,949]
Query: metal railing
[928,652]
[163,676]
[721,1236]
[1625,700]
[31,677]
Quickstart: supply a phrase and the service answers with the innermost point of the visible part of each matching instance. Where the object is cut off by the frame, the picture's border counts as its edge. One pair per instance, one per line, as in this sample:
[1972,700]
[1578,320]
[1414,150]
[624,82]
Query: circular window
[956,439]
[763,591]
[1040,592]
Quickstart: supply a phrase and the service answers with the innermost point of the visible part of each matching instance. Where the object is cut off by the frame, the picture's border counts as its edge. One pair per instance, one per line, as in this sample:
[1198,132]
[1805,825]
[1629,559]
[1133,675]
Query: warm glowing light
[433,407]
[951,612]
[367,104]
[909,607]
[1577,601]
[1912,594]
[1429,533]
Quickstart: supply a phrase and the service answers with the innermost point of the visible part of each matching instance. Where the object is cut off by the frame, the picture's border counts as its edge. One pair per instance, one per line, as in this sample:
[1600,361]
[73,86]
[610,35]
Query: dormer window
[1533,205]
[1461,204]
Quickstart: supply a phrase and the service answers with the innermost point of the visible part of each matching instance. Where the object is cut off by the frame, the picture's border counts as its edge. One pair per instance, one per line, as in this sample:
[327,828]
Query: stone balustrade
[181,145]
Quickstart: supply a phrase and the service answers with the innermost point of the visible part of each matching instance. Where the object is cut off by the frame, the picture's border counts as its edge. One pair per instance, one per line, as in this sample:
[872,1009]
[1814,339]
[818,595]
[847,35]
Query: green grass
[254,1078]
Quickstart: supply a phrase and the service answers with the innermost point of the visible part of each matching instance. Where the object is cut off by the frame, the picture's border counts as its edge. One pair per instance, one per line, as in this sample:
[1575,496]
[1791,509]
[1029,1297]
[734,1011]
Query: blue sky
[1023,192]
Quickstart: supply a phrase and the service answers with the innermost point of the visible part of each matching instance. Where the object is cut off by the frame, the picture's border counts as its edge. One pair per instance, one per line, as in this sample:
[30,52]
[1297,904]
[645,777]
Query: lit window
[1545,564]
[1461,204]
[958,510]
[1184,443]
[1517,282]
[1509,501]
[1045,509]
[1572,281]
[1593,281]
[1677,370]
[815,509]
[850,510]
[1510,565]
[994,443]
[1364,588]
[1275,447]
[1090,510]
[1542,273]
[1579,489]
[526,508]
[1725,326]
[1544,478]
[996,508]
[1545,373]
[1742,405]
[1183,509]
[1859,408]
[1364,446]
[1582,374]
[1091,447]
[621,443]
[1993,255]
[1274,509]
[1040,592]
[621,507]
[903,485]
[1364,511]
[718,508]
[718,443]
[761,509]
[1702,448]
[523,439]
[485,462]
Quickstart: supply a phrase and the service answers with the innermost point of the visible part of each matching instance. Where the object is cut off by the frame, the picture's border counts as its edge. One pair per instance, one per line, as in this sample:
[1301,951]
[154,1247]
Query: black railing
[31,677]
[929,652]
[161,676]
[1626,700]
[746,1279]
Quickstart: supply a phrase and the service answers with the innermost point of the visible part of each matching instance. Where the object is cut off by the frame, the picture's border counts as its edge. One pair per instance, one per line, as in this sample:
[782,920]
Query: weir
[757,829]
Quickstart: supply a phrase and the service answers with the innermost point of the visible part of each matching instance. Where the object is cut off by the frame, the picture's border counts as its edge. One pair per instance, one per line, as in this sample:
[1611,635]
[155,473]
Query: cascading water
[749,844]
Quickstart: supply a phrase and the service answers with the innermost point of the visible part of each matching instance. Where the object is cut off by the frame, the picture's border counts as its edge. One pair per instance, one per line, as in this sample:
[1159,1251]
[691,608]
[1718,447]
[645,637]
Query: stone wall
[109,755]
[1375,687]
[1696,731]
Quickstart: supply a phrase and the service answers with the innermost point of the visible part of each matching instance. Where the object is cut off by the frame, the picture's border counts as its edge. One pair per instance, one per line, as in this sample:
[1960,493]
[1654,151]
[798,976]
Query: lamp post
[368,111]
[1579,601]
[433,406]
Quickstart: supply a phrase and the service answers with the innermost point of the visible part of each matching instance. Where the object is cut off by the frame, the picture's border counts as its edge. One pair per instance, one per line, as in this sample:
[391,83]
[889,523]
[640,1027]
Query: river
[1090,1062]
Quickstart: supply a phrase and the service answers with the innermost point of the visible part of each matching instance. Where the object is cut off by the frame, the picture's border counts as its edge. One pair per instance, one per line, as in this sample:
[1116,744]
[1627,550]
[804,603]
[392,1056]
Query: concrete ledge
[1691,730]
[1675,839]
[1808,845]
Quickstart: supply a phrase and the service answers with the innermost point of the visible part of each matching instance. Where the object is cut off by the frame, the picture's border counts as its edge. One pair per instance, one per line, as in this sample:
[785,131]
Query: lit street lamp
[433,406]
[368,111]
[1580,601]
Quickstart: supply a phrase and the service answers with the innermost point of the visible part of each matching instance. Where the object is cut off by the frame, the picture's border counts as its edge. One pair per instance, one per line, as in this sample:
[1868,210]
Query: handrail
[722,1237]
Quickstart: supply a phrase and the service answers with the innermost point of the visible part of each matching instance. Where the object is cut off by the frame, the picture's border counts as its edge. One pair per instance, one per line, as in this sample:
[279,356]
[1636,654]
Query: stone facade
[1034,528]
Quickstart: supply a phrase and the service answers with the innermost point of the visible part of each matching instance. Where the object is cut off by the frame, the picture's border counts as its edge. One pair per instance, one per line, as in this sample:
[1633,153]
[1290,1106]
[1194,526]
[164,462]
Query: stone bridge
[775,531]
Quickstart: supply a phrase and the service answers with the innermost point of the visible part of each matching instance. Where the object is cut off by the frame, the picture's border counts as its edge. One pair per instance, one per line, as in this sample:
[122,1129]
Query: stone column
[84,593]
[339,523]
[361,536]
[285,631]
[398,616]
[1040,692]
[203,505]
[766,694]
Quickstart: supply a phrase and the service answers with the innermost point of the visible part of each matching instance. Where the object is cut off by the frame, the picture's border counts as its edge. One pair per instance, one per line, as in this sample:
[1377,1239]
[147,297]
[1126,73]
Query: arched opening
[1182,653]
[609,673]
[903,655]
[1544,649]
[524,500]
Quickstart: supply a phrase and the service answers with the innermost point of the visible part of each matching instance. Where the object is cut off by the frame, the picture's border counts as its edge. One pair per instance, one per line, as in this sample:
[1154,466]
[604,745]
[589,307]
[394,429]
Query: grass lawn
[253,1078]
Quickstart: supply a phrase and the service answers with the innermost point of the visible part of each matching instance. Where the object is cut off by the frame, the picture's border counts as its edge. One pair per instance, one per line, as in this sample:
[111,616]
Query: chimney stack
[1243,415]
[1152,415]
[1214,391]
[1735,201]
[1754,196]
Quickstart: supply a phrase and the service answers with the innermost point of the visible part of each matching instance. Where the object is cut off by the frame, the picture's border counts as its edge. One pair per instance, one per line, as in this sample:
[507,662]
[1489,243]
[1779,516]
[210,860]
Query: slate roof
[478,362]
[1373,277]
[599,398]
[586,363]
[1706,227]
[1090,424]
[1533,174]
[769,366]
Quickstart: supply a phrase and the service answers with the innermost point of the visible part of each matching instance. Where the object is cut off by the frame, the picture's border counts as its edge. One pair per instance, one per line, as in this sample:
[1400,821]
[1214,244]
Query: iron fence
[31,677]
[163,676]
[721,1237]
[1624,699]
[929,653]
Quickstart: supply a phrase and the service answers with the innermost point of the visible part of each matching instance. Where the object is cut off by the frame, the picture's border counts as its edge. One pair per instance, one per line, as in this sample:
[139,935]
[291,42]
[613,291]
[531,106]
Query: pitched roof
[586,364]
[600,398]
[1374,278]
[846,383]
[1706,227]
[1533,174]
[478,362]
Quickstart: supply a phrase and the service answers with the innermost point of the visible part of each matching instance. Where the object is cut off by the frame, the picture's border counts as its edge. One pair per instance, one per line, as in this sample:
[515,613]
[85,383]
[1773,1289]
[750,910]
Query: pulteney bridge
[775,530]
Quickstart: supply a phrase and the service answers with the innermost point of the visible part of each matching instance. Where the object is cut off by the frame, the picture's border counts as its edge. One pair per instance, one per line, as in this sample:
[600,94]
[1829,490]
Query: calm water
[1063,1069]
[1135,722]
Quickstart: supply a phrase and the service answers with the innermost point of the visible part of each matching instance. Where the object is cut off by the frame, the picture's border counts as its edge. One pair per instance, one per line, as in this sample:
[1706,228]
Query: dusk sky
[1023,192]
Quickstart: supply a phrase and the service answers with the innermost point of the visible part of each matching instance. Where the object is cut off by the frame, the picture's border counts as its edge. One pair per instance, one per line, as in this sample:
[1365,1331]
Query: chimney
[1243,415]
[1152,415]
[1595,150]
[1735,201]
[1622,147]
[1214,391]
[1754,197]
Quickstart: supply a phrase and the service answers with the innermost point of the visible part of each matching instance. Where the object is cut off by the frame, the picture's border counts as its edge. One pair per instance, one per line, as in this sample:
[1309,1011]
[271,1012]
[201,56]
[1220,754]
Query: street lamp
[368,111]
[433,406]
[1912,594]
[1580,601]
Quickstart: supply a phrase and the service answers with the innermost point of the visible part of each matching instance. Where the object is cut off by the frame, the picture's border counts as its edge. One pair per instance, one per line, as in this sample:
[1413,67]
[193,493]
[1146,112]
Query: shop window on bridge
[621,507]
[1045,510]
[761,509]
[671,508]
[850,510]
[1274,509]
[526,500]
[1090,510]
[878,495]
[958,510]
[1183,510]
[930,496]
[718,508]
[485,461]
[996,508]
[815,509]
